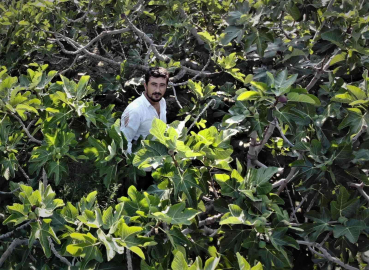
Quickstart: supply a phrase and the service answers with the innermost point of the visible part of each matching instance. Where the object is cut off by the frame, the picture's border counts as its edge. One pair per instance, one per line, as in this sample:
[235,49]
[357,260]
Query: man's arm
[129,125]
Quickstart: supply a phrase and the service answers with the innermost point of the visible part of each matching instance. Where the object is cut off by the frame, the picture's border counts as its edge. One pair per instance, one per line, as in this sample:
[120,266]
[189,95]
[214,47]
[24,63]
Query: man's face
[155,88]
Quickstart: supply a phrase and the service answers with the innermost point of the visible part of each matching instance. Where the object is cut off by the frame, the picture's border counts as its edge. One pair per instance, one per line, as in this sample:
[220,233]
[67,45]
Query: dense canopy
[264,161]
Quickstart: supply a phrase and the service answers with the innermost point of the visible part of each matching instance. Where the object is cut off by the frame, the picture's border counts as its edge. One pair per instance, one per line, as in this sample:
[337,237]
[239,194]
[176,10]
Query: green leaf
[158,128]
[84,247]
[184,182]
[205,36]
[177,214]
[82,90]
[270,256]
[248,95]
[57,168]
[179,262]
[152,155]
[351,230]
[42,232]
[343,206]
[282,83]
[304,98]
[242,263]
[110,244]
[357,92]
[211,263]
[335,36]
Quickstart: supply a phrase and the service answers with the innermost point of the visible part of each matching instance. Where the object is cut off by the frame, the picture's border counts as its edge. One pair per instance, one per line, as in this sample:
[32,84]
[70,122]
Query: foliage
[266,150]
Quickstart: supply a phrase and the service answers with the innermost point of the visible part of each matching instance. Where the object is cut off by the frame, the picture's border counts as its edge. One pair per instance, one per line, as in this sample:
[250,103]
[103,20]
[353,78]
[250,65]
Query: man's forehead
[157,80]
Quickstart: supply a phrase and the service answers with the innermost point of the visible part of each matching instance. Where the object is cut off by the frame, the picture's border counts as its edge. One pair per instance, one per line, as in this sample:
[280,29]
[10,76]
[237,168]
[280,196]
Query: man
[138,116]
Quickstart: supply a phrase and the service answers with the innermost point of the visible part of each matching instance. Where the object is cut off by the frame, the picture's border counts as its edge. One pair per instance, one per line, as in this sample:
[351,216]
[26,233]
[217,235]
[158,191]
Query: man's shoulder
[135,105]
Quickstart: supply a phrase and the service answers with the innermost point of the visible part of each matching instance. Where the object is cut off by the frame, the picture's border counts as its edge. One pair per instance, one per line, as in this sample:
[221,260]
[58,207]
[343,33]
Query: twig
[16,242]
[317,33]
[60,257]
[290,199]
[325,254]
[287,180]
[175,95]
[210,220]
[146,38]
[311,204]
[360,188]
[326,238]
[8,234]
[281,27]
[9,193]
[201,113]
[362,131]
[298,207]
[31,138]
[71,65]
[255,147]
[129,260]
[282,135]
[198,74]
[24,173]
[320,71]
[84,15]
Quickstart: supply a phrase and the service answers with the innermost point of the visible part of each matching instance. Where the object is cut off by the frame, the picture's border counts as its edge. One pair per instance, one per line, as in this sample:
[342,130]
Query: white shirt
[137,119]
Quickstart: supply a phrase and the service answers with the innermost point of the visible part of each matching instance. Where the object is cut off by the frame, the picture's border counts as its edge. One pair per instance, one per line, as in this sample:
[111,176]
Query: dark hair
[156,72]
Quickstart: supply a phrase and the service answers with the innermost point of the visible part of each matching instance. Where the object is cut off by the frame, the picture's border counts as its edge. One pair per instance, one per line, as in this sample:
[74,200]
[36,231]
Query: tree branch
[60,257]
[317,33]
[24,173]
[8,234]
[325,254]
[281,27]
[360,188]
[201,113]
[129,260]
[282,135]
[31,138]
[16,242]
[8,193]
[146,38]
[361,132]
[320,71]
[192,29]
[84,15]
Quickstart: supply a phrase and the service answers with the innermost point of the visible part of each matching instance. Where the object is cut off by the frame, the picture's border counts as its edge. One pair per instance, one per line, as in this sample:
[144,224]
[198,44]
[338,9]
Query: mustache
[156,93]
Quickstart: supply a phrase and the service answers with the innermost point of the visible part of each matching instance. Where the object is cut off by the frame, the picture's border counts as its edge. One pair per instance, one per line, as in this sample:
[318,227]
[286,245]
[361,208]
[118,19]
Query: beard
[155,97]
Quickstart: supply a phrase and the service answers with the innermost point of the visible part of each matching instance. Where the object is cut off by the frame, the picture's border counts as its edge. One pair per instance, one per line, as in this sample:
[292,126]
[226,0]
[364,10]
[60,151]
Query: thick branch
[192,29]
[325,254]
[360,188]
[16,242]
[320,71]
[146,38]
[129,260]
[8,234]
[255,147]
[31,138]
[60,257]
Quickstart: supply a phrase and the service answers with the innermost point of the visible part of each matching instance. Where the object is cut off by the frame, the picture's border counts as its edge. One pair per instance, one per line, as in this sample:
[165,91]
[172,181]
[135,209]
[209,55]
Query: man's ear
[145,86]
